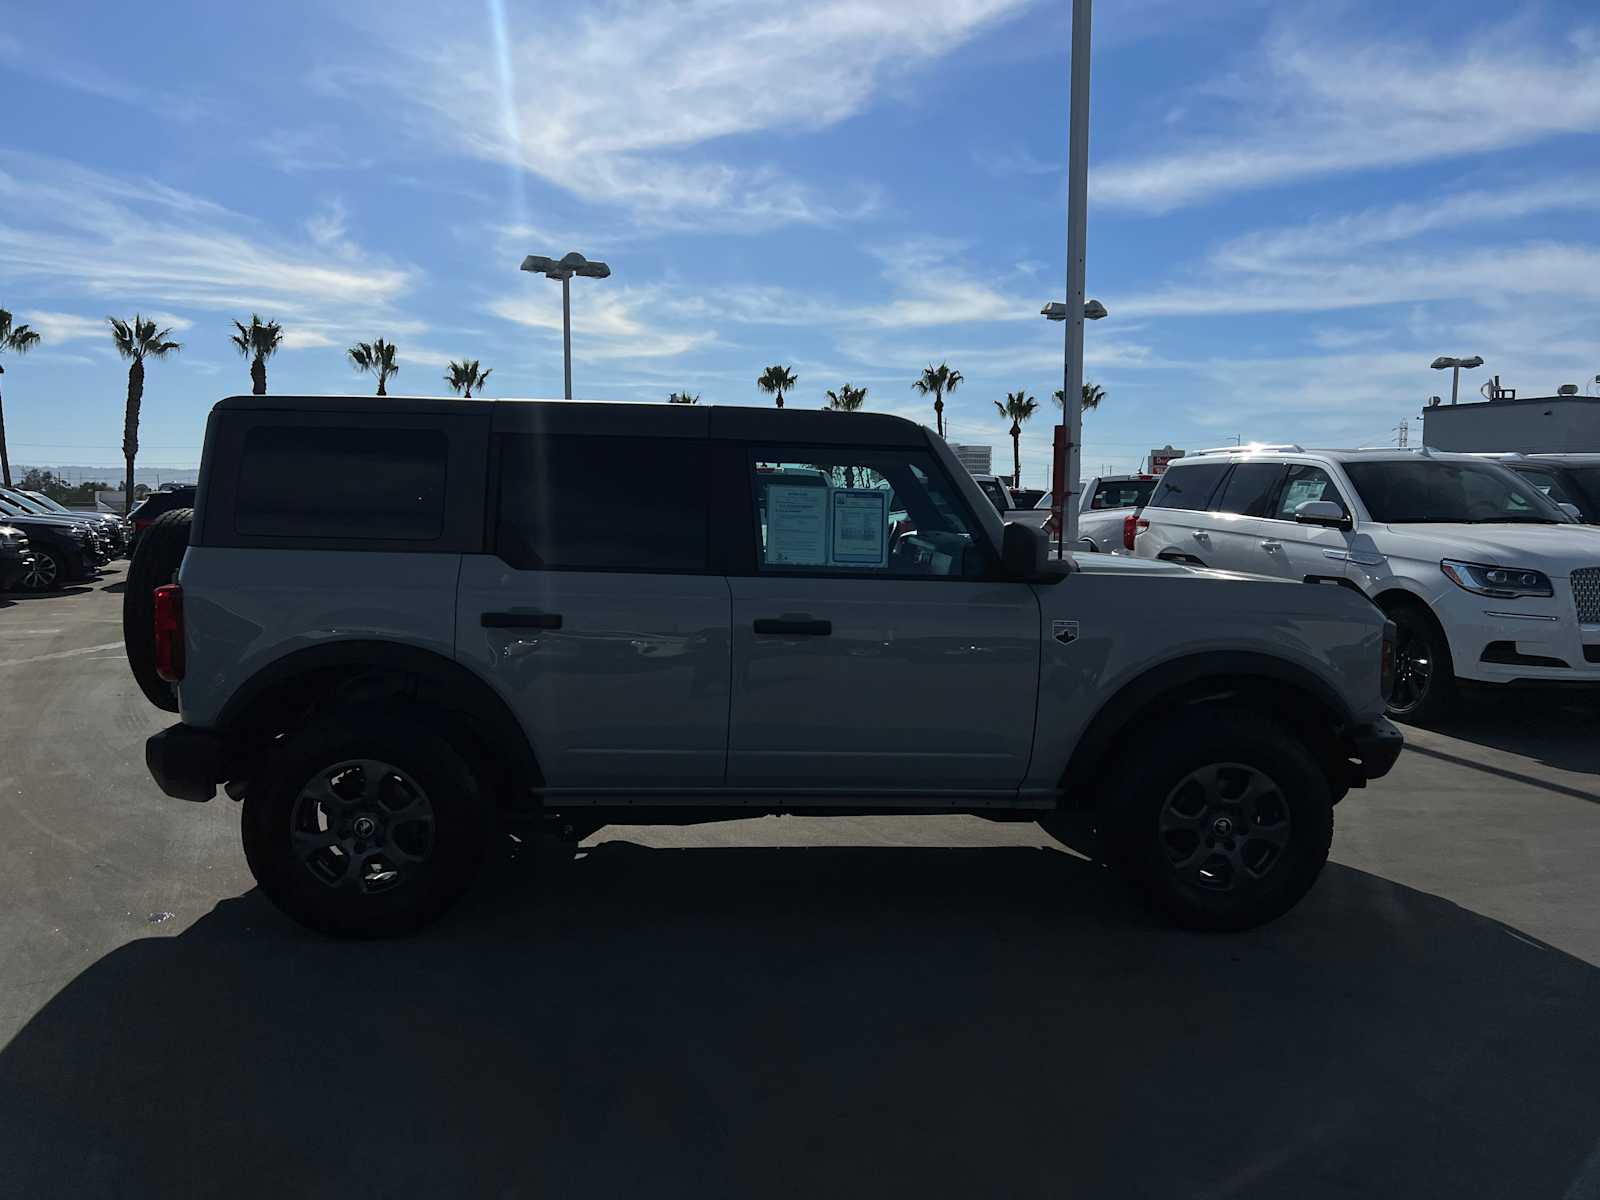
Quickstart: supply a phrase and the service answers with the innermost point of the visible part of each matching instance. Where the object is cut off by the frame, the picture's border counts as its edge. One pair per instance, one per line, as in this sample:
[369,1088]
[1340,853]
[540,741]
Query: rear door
[595,613]
[1180,527]
[1239,542]
[876,650]
[1296,551]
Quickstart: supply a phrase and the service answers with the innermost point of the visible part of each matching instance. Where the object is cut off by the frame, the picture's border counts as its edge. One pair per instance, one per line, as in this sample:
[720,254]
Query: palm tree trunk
[5,457]
[258,376]
[130,428]
[938,412]
[1016,455]
[780,399]
[381,392]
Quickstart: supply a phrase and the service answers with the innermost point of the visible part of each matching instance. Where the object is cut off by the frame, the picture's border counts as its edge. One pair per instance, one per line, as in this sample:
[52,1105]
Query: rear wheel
[1223,822]
[365,824]
[155,563]
[1424,676]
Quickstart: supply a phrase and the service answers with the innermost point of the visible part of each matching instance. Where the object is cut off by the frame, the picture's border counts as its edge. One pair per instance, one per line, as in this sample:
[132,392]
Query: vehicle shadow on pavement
[820,1021]
[1552,727]
[77,589]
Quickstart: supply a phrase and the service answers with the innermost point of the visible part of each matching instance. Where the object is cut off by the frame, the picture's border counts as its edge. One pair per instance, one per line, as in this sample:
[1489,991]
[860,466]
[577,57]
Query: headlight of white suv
[1502,582]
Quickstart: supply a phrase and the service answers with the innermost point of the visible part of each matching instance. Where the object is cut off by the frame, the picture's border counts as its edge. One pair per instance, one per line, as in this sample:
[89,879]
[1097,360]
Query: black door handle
[802,628]
[521,620]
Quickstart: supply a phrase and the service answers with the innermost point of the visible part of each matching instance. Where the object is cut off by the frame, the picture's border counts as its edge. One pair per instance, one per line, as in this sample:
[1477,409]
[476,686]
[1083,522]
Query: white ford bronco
[393,623]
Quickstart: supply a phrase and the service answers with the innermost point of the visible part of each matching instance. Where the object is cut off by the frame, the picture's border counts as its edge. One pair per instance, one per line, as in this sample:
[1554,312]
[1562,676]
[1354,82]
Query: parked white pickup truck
[1107,503]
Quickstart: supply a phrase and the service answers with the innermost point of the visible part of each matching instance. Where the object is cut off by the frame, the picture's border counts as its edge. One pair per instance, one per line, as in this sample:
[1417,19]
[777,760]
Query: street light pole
[566,332]
[564,269]
[1077,225]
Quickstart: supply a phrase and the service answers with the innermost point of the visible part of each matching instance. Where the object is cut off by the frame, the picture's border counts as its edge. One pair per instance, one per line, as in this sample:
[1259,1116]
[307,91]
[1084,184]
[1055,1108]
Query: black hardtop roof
[616,418]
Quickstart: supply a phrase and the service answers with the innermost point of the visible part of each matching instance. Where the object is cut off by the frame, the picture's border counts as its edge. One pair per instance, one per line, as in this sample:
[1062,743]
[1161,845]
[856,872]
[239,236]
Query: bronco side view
[392,623]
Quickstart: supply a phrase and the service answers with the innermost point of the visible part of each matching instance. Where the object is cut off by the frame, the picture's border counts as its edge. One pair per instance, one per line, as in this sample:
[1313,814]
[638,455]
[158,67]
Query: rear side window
[372,484]
[1188,487]
[602,503]
[1249,489]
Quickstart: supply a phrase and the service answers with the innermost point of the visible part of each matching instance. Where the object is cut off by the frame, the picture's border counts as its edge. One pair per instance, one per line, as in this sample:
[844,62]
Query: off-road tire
[1134,803]
[462,821]
[154,564]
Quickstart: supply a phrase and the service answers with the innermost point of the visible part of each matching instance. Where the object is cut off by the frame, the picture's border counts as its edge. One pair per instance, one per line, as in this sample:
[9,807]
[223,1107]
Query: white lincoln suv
[1486,578]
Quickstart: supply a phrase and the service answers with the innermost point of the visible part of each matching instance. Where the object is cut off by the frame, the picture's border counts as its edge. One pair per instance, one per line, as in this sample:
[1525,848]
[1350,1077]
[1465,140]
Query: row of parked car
[45,546]
[1489,564]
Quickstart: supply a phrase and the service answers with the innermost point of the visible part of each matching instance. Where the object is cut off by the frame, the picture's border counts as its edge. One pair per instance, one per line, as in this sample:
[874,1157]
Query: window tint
[603,503]
[1188,487]
[882,512]
[1422,491]
[1553,486]
[1249,489]
[996,494]
[1127,493]
[371,484]
[1305,483]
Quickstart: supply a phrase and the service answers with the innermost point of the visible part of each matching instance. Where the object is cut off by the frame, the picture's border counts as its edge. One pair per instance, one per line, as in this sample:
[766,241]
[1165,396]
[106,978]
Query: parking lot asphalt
[868,1006]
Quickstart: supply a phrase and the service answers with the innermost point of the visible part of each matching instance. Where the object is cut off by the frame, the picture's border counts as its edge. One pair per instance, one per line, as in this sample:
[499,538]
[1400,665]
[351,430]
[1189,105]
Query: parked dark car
[63,551]
[16,559]
[114,527]
[97,546]
[144,513]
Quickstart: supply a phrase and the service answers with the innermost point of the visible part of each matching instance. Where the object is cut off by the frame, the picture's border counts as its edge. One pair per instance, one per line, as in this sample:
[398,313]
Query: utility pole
[1402,433]
[1077,226]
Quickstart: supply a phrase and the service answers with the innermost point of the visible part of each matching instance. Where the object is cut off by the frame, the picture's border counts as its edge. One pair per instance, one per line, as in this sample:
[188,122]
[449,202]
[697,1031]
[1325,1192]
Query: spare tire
[154,563]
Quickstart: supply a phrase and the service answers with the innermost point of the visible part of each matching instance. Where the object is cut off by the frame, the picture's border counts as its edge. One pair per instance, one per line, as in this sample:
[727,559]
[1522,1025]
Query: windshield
[44,502]
[1122,493]
[25,504]
[1423,491]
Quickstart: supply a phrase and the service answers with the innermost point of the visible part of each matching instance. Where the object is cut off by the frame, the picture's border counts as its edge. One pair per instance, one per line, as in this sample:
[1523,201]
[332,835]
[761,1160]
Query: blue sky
[1294,208]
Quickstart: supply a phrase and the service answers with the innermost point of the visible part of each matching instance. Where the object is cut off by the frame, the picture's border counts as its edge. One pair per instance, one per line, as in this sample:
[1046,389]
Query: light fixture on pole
[1056,310]
[564,269]
[1455,365]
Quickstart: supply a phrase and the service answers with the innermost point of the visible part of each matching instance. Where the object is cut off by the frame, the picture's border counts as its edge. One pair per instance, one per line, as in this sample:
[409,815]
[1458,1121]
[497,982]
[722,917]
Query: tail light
[169,632]
[1132,526]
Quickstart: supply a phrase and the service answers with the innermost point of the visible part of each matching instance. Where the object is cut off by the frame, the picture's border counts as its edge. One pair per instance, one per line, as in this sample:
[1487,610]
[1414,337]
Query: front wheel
[1424,677]
[48,572]
[366,824]
[1223,820]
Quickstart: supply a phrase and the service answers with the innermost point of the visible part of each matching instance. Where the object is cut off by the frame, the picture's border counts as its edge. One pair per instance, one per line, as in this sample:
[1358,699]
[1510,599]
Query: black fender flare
[1190,680]
[442,683]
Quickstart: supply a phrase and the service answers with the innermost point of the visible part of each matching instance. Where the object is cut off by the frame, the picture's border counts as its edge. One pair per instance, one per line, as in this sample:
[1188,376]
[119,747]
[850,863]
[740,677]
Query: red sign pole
[1058,486]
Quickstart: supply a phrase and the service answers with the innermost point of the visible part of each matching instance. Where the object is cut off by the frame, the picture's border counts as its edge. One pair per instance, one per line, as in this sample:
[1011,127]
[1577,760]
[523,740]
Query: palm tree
[846,399]
[1019,406]
[19,339]
[462,377]
[136,341]
[257,341]
[1093,393]
[683,398]
[939,380]
[376,358]
[776,381]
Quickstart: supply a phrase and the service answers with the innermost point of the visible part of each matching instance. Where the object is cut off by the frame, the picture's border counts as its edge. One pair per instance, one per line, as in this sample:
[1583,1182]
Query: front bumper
[185,762]
[1524,640]
[1372,749]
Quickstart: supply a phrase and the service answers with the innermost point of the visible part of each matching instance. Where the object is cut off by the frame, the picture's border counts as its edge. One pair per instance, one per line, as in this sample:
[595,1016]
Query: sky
[1293,207]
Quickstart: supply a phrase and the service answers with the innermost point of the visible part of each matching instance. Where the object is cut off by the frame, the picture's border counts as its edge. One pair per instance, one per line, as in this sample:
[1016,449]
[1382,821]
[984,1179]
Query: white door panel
[916,683]
[620,679]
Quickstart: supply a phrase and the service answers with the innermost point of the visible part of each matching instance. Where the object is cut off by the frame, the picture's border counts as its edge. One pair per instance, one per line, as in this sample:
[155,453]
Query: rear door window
[1249,489]
[1188,487]
[581,502]
[372,484]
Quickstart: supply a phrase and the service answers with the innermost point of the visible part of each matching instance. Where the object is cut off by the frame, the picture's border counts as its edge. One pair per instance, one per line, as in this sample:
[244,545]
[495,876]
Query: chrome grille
[1586,594]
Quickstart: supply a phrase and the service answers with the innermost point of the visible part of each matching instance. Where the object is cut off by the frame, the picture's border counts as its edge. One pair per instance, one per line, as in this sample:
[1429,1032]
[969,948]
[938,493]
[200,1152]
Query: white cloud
[57,327]
[135,242]
[1318,103]
[608,324]
[614,114]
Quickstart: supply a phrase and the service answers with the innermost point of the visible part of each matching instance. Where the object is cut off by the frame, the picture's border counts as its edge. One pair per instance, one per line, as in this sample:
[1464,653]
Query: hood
[25,522]
[1554,549]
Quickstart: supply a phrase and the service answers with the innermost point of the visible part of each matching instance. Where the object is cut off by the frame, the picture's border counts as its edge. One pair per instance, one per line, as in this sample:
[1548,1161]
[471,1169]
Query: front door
[875,646]
[596,617]
[1292,550]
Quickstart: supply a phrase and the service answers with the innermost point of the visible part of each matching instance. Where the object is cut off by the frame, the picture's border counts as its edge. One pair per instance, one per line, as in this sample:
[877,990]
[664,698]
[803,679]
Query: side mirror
[1572,510]
[1022,551]
[1322,512]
